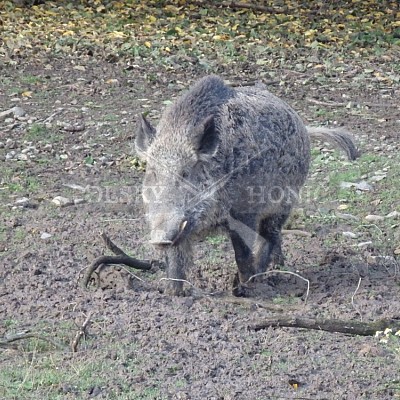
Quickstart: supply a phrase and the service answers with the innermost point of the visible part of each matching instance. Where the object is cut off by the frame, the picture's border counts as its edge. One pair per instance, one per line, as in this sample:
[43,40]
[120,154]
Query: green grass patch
[216,240]
[31,79]
[345,208]
[39,372]
[36,132]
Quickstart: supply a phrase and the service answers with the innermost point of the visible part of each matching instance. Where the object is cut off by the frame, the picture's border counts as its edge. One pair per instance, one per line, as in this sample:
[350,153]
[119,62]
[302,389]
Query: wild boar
[225,158]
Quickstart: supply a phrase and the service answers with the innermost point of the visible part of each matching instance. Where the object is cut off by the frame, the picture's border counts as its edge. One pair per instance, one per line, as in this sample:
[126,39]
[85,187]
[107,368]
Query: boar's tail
[337,137]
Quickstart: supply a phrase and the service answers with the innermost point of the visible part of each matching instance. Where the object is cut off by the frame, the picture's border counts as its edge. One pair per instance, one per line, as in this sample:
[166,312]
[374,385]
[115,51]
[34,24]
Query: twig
[6,113]
[178,280]
[51,117]
[274,271]
[352,298]
[329,325]
[26,335]
[120,258]
[133,275]
[326,103]
[253,83]
[296,232]
[82,332]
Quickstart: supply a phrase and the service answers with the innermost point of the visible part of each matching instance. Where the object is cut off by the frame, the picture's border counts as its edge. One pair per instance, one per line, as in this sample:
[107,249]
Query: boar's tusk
[161,242]
[182,227]
[180,233]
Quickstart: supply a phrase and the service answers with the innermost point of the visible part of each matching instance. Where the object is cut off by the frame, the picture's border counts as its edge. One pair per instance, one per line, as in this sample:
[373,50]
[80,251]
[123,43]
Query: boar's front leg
[178,259]
[243,234]
[270,230]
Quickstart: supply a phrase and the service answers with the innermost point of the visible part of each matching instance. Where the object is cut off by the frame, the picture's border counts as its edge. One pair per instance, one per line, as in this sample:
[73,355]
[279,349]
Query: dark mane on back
[202,100]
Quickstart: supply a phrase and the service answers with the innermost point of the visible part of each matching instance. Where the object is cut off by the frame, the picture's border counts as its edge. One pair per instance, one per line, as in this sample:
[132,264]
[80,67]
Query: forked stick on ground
[120,258]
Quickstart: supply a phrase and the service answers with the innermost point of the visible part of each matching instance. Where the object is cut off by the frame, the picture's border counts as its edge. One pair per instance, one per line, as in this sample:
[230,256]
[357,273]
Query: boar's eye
[185,174]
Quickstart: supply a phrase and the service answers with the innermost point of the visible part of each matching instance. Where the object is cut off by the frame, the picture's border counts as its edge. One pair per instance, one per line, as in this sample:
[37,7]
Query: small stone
[378,259]
[79,201]
[351,235]
[377,178]
[23,201]
[23,157]
[62,201]
[45,235]
[347,216]
[63,156]
[364,244]
[393,214]
[374,218]
[364,186]
[346,185]
[18,111]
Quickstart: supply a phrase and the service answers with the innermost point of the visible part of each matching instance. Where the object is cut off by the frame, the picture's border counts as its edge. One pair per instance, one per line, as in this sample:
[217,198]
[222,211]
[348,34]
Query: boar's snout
[159,237]
[168,231]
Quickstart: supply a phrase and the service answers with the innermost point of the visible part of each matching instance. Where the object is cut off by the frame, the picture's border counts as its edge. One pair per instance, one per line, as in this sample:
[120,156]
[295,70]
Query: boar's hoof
[174,289]
[239,290]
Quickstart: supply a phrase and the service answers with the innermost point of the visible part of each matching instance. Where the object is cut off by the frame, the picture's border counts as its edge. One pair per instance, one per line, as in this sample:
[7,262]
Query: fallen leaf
[111,81]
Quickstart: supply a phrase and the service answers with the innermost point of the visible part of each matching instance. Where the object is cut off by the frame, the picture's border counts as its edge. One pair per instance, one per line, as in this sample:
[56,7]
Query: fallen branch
[120,258]
[329,325]
[5,342]
[81,333]
[238,6]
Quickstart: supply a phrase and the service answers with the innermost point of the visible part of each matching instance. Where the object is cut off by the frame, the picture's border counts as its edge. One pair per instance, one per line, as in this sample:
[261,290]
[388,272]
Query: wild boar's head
[178,155]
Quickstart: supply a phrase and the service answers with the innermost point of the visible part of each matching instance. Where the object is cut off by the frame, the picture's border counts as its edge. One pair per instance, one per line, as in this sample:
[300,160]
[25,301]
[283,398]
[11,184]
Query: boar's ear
[206,138]
[144,135]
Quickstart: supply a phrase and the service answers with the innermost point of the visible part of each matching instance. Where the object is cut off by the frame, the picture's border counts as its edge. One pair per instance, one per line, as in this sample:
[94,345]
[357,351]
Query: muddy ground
[143,344]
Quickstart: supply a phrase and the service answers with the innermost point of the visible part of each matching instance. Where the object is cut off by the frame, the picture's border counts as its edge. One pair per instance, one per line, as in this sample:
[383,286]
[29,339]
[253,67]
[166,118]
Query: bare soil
[198,346]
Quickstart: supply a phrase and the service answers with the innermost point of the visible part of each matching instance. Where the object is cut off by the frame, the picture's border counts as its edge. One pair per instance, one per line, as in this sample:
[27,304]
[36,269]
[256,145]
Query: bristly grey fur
[232,159]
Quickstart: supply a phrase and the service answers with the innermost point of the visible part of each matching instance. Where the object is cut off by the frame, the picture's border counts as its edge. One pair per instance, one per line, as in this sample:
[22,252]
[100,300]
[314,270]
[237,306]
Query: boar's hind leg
[271,251]
[243,234]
